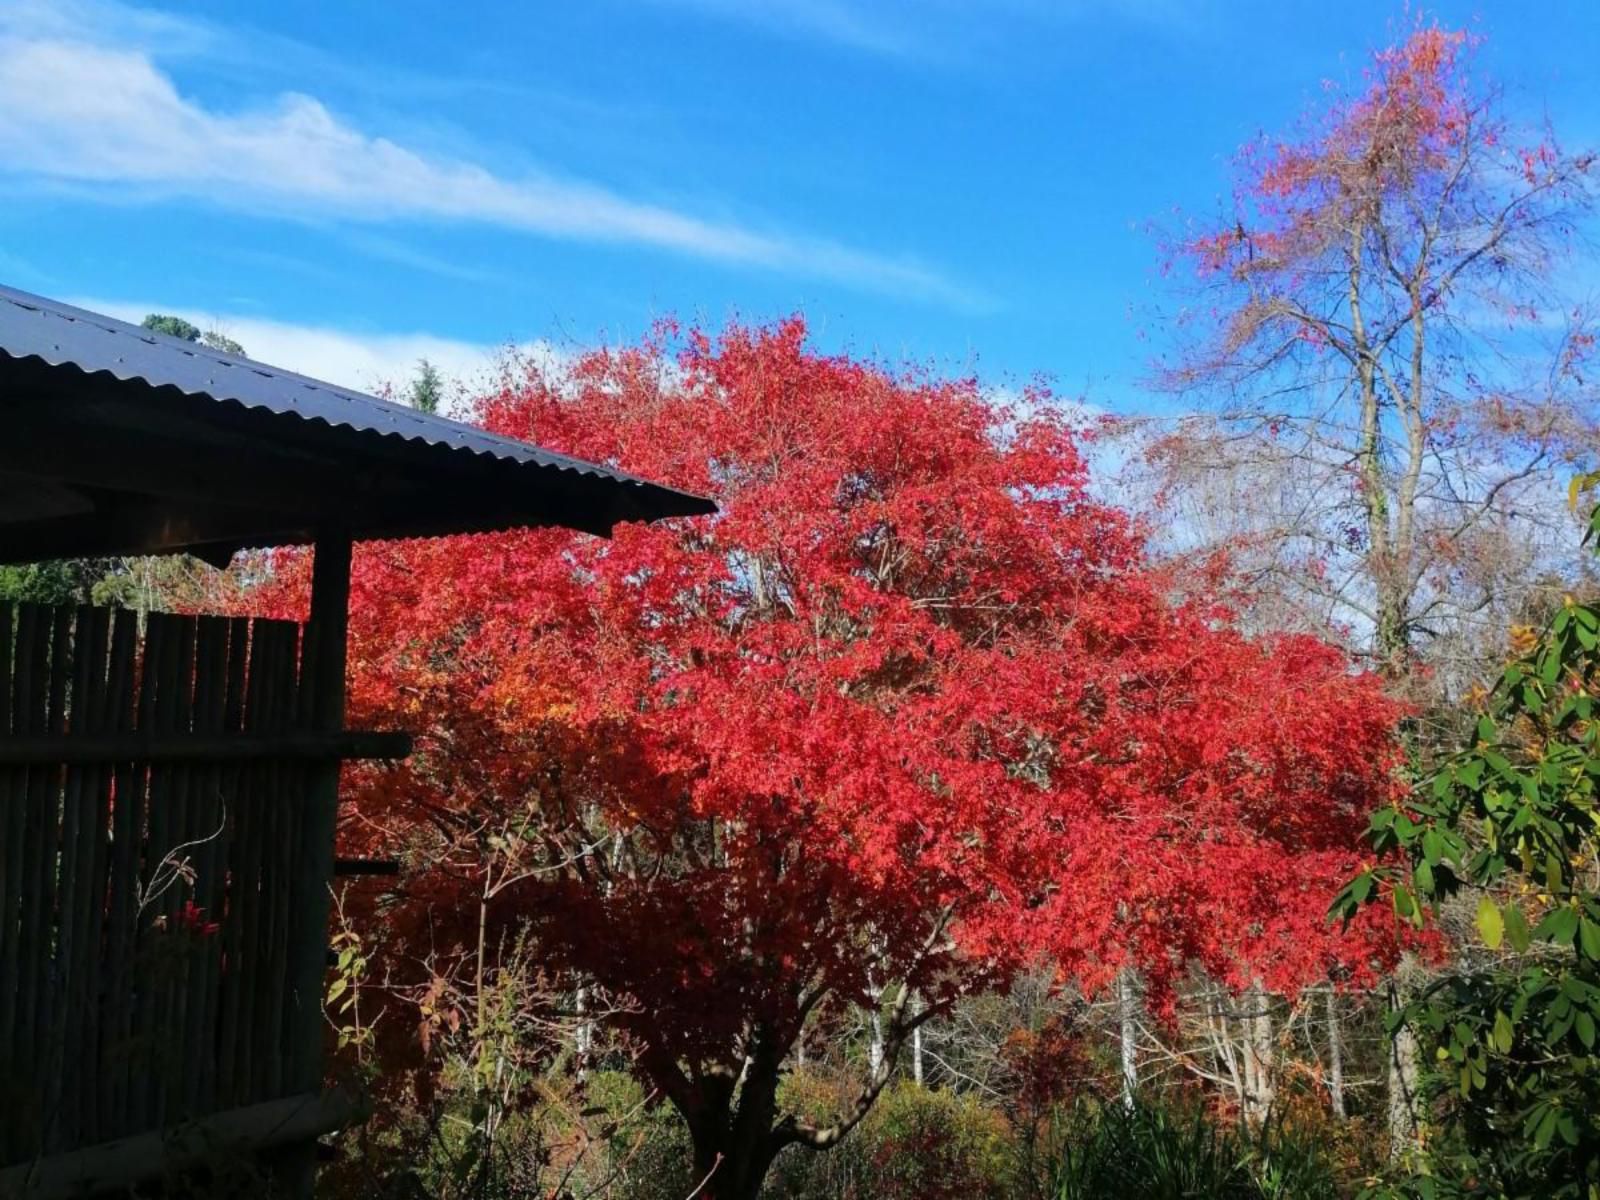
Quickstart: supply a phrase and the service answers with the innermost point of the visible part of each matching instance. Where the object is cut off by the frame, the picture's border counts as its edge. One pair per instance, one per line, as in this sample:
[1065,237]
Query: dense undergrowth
[916,1144]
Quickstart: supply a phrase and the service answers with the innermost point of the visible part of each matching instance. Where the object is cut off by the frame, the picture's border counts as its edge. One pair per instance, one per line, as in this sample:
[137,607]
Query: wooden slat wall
[121,1010]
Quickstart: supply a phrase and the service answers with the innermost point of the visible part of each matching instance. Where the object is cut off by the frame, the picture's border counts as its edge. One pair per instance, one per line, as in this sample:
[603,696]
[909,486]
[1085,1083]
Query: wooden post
[323,689]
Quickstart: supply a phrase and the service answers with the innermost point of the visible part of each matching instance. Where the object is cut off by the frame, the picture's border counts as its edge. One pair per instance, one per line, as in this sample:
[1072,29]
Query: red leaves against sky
[912,665]
[1418,127]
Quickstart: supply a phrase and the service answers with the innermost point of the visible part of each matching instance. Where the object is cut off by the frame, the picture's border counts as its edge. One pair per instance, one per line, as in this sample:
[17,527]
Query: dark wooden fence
[152,808]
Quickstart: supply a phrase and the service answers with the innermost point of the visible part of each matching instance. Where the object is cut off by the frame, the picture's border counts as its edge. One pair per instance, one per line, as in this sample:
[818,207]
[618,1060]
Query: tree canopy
[1393,363]
[913,710]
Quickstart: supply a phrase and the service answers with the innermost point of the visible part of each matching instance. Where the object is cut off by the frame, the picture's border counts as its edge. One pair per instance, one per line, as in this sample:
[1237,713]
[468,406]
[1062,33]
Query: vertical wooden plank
[176,978]
[45,712]
[228,1029]
[208,821]
[89,958]
[265,1053]
[7,634]
[59,1015]
[277,878]
[139,1087]
[159,907]
[68,1008]
[12,787]
[248,980]
[25,719]
[124,696]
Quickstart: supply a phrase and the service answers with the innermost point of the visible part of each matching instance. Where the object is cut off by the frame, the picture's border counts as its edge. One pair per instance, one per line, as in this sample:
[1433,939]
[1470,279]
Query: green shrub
[598,1138]
[915,1144]
[1155,1152]
[936,1145]
[593,1138]
[646,1156]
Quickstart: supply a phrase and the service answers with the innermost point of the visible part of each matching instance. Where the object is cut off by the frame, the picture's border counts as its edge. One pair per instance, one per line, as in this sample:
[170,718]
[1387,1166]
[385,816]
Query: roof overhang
[116,440]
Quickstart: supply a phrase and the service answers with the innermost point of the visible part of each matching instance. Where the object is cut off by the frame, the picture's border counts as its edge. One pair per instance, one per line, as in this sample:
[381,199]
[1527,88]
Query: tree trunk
[916,1051]
[731,1152]
[1335,1055]
[724,1170]
[1219,1033]
[1251,1068]
[1385,564]
[1259,1055]
[1392,636]
[731,1126]
[732,1116]
[583,1035]
[1128,1016]
[1403,1115]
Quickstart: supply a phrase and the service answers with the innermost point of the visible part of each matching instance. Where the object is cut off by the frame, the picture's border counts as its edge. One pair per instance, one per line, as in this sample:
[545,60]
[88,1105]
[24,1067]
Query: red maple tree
[910,712]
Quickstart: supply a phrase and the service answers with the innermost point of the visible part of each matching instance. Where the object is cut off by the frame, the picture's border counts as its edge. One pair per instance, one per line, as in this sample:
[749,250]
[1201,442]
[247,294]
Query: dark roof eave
[225,404]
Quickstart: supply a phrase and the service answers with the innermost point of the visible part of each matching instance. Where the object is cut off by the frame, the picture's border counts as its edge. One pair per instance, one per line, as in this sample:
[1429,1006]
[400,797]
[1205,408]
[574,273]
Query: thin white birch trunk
[1128,1016]
[916,1044]
[1403,1054]
[1335,1055]
[875,1045]
[583,1038]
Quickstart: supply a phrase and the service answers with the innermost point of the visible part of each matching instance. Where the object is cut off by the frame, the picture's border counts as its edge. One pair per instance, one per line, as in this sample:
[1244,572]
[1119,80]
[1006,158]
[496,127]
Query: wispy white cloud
[879,29]
[389,249]
[113,23]
[369,362]
[937,29]
[108,117]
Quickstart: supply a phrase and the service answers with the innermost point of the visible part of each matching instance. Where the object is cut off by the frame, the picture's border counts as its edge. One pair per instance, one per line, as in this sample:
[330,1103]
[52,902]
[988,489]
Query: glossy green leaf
[1491,926]
[1560,925]
[1546,1128]
[1503,1033]
[1589,938]
[1516,928]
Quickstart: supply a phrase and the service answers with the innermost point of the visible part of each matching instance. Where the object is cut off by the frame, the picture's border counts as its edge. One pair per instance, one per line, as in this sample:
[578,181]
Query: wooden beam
[300,745]
[322,684]
[86,455]
[118,1166]
[126,524]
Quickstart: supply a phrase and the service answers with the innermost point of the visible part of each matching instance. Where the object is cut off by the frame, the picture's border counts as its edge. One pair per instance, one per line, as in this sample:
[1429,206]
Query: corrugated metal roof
[60,335]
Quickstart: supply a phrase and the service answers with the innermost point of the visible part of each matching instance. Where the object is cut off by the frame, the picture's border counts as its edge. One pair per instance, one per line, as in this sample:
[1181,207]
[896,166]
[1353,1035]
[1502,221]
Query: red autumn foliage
[1407,130]
[912,710]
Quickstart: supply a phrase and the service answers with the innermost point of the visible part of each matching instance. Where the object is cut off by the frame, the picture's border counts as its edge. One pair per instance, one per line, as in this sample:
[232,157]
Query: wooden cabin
[169,786]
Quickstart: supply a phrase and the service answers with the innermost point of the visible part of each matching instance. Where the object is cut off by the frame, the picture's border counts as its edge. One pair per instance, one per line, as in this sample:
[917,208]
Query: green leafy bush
[1510,823]
[935,1145]
[647,1152]
[1155,1152]
[915,1144]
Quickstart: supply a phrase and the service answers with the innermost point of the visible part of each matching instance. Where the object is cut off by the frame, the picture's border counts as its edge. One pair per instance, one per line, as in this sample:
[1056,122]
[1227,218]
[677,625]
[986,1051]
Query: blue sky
[963,183]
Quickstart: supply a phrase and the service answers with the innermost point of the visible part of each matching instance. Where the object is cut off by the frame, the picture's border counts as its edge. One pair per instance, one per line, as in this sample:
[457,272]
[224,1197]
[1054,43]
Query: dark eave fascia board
[60,335]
